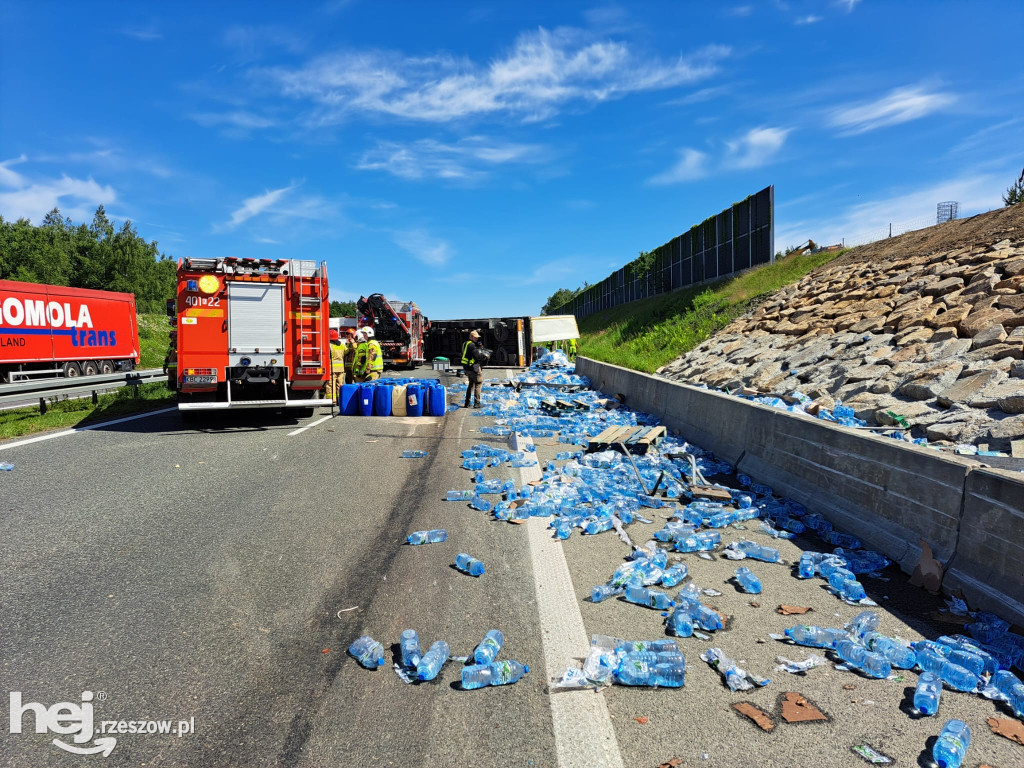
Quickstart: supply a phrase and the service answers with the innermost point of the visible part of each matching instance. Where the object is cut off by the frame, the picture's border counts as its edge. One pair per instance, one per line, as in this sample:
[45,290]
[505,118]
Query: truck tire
[106,366]
[90,367]
[71,370]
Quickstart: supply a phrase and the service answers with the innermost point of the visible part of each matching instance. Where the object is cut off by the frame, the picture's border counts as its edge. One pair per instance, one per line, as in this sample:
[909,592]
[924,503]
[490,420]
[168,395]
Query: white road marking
[52,435]
[584,735]
[309,426]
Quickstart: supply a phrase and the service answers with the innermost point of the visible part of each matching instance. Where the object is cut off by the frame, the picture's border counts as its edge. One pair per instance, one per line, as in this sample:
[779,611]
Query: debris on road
[796,709]
[737,678]
[430,664]
[642,720]
[870,754]
[494,673]
[761,718]
[414,454]
[427,537]
[1008,729]
[792,610]
[469,565]
[6,467]
[367,652]
[800,667]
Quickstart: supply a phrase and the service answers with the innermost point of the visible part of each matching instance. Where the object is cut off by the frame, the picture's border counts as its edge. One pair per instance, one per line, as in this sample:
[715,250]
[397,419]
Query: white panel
[553,328]
[255,317]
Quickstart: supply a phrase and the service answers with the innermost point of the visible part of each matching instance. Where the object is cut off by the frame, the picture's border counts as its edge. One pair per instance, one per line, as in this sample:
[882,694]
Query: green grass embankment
[646,334]
[64,413]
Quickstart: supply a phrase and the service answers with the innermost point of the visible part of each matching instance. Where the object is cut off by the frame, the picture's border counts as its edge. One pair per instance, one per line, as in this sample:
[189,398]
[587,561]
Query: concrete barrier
[889,494]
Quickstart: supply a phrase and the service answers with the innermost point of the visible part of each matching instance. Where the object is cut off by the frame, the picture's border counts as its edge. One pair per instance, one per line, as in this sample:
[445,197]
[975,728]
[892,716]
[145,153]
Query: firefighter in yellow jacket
[369,360]
[337,365]
[349,341]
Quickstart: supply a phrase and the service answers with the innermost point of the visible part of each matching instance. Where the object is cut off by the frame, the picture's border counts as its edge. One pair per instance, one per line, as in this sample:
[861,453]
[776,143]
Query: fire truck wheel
[90,368]
[71,370]
[106,366]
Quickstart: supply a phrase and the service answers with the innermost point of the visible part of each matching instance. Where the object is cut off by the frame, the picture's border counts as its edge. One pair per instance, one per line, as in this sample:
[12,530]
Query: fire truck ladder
[311,320]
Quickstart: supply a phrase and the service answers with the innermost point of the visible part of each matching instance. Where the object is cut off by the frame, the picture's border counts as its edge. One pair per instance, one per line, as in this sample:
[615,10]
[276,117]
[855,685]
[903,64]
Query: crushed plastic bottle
[674,575]
[409,644]
[493,673]
[815,637]
[1010,686]
[649,597]
[414,454]
[432,661]
[680,622]
[427,537]
[871,664]
[367,652]
[952,744]
[458,496]
[928,693]
[603,592]
[897,654]
[469,565]
[480,503]
[862,624]
[748,581]
[488,649]
[658,670]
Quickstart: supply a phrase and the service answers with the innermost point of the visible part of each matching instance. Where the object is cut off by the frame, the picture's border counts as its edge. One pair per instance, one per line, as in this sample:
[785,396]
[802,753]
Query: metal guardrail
[78,385]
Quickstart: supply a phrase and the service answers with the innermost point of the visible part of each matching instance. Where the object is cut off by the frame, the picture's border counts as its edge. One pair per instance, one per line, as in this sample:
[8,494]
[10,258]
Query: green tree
[1015,194]
[343,309]
[557,299]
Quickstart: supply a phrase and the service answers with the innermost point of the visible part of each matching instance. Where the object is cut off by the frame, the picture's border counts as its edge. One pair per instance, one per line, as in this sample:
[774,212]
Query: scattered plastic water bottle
[863,623]
[755,551]
[603,592]
[967,660]
[871,664]
[897,654]
[952,744]
[367,652]
[807,566]
[432,661]
[427,537]
[674,575]
[563,455]
[750,583]
[494,673]
[927,693]
[649,597]
[480,503]
[838,577]
[469,565]
[814,637]
[6,466]
[852,590]
[1012,688]
[458,496]
[409,644]
[664,670]
[680,623]
[488,649]
[414,454]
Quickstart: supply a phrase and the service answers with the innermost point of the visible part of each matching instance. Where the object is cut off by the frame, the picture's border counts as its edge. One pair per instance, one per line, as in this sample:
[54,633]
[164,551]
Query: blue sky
[474,157]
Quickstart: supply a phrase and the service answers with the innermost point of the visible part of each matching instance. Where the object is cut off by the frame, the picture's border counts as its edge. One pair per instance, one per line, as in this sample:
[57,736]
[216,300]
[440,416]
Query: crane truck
[397,325]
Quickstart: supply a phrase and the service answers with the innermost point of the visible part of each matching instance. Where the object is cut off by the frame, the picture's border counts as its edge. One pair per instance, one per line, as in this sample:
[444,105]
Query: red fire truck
[251,333]
[56,330]
[397,325]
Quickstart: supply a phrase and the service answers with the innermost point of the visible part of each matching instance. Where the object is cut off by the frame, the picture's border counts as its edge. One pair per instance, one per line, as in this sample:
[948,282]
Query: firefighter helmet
[334,335]
[368,332]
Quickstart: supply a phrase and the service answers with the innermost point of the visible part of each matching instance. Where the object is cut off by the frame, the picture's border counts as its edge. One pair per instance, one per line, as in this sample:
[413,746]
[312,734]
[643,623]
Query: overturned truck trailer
[511,339]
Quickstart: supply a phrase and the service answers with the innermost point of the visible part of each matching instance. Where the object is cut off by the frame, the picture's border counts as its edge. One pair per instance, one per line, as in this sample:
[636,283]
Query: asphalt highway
[217,575]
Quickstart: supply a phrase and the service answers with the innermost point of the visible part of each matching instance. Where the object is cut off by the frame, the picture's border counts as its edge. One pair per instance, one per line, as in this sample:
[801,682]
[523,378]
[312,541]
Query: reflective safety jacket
[375,357]
[467,353]
[337,357]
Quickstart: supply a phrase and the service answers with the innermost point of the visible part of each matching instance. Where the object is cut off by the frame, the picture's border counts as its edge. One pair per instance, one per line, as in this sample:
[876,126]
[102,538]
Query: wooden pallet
[636,440]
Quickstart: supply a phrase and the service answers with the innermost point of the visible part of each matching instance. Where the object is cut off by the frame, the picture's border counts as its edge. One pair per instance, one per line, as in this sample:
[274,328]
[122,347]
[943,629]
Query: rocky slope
[928,327]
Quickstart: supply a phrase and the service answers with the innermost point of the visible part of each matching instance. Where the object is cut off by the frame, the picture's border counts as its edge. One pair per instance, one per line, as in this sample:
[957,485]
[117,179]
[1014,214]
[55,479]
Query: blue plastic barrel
[348,400]
[437,400]
[382,400]
[414,400]
[366,399]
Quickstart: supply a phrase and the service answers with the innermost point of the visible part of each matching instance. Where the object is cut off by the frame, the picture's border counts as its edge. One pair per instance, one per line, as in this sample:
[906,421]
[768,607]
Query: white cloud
[692,165]
[147,34]
[256,205]
[33,199]
[741,11]
[543,71]
[757,147]
[848,5]
[235,119]
[427,158]
[806,20]
[869,220]
[900,105]
[431,250]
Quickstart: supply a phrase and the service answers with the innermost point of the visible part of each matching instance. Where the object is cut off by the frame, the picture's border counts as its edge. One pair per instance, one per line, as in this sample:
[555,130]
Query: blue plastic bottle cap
[525,669]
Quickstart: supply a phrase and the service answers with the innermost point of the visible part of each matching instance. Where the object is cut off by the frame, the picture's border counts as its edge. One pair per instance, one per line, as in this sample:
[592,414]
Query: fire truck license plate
[212,379]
